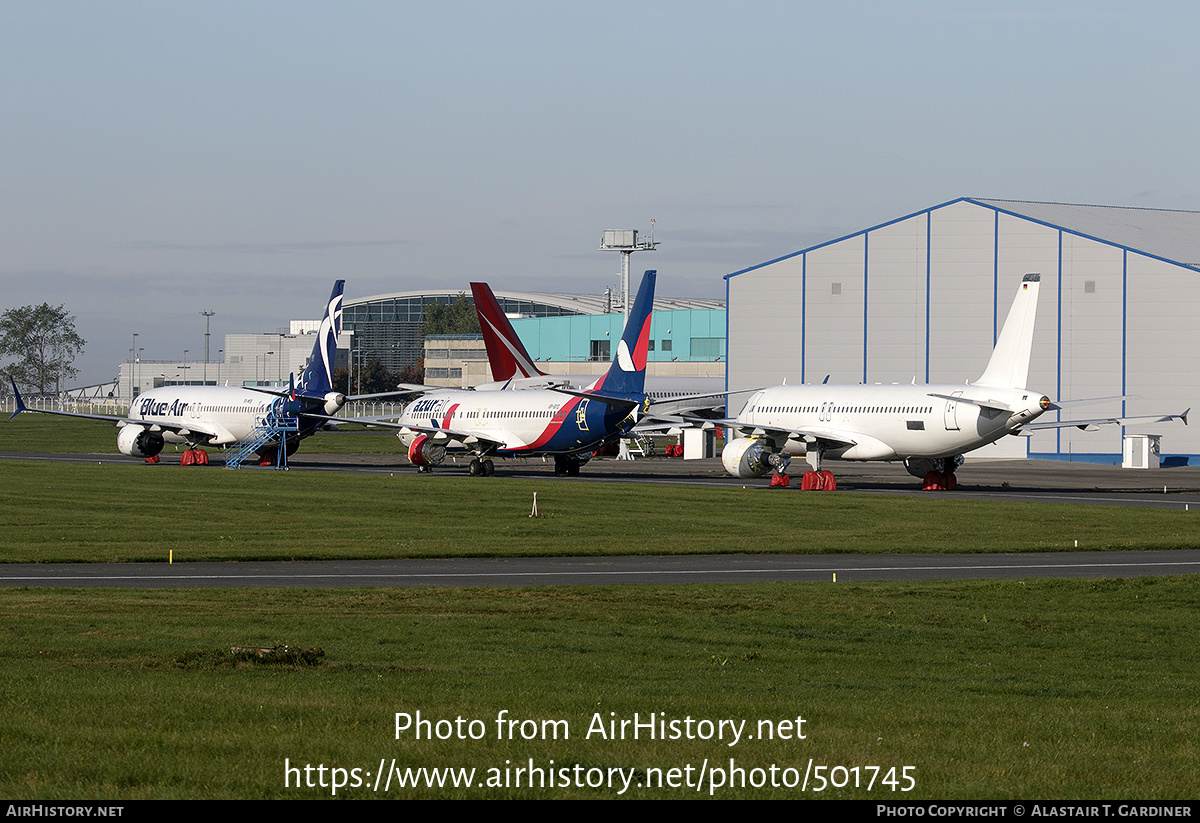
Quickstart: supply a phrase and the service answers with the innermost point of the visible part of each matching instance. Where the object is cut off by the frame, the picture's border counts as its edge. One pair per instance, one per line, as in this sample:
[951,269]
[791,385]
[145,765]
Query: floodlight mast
[626,242]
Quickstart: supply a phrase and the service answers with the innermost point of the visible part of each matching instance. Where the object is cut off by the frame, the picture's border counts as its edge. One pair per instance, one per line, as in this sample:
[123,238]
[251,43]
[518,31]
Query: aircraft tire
[950,483]
[475,468]
[489,468]
[828,481]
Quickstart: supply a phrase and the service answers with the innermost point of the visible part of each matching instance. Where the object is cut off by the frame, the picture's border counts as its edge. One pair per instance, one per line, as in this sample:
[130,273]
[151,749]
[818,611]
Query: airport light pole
[207,317]
[626,242]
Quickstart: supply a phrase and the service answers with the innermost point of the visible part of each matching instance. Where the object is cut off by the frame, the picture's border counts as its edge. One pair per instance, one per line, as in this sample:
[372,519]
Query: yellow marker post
[835,577]
[170,556]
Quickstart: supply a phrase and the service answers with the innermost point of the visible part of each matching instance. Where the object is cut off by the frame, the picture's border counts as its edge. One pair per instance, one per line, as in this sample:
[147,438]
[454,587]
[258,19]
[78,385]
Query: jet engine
[136,441]
[746,458]
[424,452]
[334,402]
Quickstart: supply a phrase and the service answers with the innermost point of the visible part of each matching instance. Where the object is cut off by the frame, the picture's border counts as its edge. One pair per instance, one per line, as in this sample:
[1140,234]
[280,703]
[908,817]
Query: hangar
[923,297]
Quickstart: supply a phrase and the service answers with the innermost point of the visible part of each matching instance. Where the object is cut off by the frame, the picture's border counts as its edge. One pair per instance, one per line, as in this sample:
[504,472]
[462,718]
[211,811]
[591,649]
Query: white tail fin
[1009,366]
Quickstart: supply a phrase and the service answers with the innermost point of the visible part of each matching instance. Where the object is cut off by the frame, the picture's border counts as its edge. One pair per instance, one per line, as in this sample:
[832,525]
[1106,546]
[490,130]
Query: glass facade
[390,328]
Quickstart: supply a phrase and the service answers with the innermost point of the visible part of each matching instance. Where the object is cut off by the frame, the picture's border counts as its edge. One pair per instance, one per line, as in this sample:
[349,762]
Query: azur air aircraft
[224,415]
[567,424]
[927,426]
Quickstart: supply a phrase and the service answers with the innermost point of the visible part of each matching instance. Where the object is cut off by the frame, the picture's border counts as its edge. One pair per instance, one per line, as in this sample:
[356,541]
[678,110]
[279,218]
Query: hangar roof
[1170,235]
[1173,235]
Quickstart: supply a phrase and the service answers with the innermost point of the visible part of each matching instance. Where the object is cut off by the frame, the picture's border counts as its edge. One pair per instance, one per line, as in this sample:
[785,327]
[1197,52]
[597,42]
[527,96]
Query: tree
[43,344]
[458,317]
[414,373]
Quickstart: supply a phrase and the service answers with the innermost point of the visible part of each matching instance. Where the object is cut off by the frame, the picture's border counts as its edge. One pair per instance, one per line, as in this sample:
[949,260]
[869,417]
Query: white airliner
[927,426]
[226,415]
[568,424]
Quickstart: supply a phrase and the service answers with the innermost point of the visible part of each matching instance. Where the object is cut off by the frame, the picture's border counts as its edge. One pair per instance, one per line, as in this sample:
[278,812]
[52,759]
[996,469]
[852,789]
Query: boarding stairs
[269,428]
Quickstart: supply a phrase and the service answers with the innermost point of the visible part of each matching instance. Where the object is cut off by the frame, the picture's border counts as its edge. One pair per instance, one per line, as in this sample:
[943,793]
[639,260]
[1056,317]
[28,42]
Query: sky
[162,159]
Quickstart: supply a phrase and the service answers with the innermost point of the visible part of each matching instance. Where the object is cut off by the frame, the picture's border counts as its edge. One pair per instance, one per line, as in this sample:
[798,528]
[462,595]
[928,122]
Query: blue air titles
[162,408]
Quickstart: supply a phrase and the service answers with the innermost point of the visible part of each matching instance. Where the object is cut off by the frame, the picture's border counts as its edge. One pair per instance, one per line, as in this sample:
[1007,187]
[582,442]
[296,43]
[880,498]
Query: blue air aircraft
[565,423]
[224,415]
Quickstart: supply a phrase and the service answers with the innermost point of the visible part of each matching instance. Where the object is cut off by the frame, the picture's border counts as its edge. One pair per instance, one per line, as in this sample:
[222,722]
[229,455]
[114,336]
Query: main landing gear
[481,468]
[937,474]
[565,466]
[944,480]
[813,480]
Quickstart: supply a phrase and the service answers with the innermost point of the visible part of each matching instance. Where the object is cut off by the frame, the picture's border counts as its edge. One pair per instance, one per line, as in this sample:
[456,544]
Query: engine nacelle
[746,458]
[425,452]
[334,402]
[136,441]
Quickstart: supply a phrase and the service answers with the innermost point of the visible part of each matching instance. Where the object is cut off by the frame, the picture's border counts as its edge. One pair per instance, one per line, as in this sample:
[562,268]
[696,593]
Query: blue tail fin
[317,379]
[627,375]
[21,403]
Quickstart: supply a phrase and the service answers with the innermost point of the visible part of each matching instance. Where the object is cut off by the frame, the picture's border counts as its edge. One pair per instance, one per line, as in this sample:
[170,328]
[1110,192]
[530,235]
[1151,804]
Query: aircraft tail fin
[21,403]
[627,375]
[506,354]
[1009,366]
[317,379]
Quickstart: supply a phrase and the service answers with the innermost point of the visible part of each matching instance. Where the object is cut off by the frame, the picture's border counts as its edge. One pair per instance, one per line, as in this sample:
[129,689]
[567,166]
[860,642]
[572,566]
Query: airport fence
[371,409]
[117,409]
[108,407]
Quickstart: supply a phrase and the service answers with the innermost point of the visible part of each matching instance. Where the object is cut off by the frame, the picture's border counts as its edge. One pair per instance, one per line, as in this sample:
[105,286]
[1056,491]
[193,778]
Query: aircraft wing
[812,434]
[217,434]
[780,434]
[1092,424]
[436,432]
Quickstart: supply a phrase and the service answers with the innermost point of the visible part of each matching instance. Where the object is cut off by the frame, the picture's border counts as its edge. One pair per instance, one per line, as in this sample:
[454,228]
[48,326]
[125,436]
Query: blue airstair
[270,428]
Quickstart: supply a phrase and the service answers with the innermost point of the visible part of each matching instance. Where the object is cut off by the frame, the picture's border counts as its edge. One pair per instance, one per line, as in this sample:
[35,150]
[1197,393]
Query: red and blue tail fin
[627,375]
[317,379]
[505,351]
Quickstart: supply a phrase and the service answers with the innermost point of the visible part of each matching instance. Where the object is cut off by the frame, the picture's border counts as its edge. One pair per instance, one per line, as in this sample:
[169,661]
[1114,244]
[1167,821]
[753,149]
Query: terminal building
[566,333]
[922,297]
[684,342]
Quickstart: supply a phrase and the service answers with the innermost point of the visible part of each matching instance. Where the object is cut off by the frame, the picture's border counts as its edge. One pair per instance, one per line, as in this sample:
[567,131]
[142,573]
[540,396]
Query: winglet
[1009,365]
[1183,416]
[506,354]
[21,403]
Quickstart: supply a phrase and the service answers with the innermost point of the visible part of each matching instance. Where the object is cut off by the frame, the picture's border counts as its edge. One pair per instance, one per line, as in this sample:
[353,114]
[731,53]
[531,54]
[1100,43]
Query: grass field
[112,512]
[46,434]
[1036,689]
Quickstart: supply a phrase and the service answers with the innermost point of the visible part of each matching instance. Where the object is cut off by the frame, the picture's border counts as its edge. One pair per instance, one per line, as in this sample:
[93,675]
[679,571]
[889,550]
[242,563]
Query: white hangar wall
[924,297]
